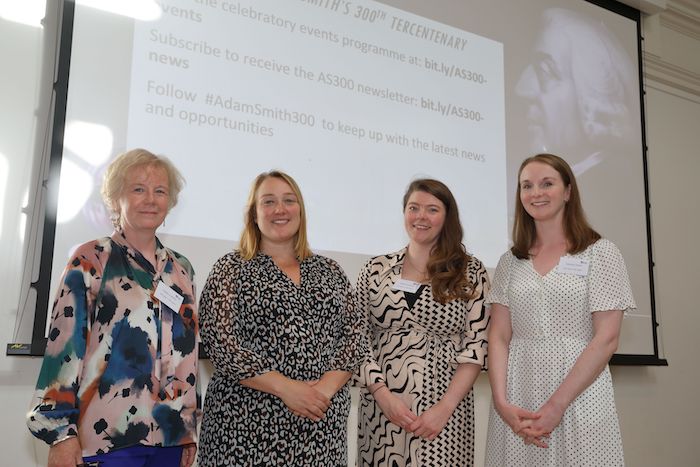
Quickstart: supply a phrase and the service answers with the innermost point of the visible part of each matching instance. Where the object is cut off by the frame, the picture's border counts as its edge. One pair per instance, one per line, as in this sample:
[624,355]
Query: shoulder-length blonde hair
[579,233]
[449,260]
[115,178]
[249,244]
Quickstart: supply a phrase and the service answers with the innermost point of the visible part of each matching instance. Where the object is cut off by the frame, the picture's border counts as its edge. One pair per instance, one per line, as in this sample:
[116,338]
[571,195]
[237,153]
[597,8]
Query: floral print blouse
[120,366]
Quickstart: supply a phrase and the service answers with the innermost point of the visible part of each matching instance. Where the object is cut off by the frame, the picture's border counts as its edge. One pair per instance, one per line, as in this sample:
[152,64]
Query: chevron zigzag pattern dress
[416,350]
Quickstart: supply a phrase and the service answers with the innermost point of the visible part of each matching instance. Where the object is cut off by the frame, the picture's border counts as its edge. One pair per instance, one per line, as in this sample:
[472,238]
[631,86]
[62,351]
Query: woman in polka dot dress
[557,303]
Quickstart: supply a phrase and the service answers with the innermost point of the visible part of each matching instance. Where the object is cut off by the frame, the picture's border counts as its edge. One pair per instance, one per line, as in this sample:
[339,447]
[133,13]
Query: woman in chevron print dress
[426,324]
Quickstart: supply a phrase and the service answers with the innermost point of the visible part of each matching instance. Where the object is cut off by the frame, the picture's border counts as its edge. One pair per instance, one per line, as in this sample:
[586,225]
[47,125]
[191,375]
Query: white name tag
[406,285]
[169,297]
[575,266]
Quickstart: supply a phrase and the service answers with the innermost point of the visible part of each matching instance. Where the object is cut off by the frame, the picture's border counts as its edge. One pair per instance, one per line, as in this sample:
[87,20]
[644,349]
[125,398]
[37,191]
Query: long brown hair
[579,234]
[250,237]
[448,262]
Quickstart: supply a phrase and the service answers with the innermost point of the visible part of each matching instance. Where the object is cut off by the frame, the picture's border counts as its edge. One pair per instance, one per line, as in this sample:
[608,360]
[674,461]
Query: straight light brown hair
[449,260]
[249,244]
[579,234]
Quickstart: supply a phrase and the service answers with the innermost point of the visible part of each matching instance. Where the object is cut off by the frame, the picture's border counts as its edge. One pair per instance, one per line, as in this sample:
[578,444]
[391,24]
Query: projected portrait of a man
[579,89]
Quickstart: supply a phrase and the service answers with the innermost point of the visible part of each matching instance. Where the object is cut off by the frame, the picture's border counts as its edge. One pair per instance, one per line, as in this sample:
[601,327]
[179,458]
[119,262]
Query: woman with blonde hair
[118,385]
[280,325]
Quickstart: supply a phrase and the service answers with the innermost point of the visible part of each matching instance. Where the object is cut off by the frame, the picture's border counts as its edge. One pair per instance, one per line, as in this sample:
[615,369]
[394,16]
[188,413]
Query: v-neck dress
[415,351]
[256,320]
[551,319]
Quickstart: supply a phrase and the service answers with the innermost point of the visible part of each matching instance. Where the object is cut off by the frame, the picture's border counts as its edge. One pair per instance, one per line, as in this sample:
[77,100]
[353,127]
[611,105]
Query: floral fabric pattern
[120,367]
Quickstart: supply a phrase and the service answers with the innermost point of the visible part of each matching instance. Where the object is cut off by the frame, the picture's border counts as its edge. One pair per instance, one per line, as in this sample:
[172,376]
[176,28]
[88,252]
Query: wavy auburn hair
[579,234]
[448,262]
[249,244]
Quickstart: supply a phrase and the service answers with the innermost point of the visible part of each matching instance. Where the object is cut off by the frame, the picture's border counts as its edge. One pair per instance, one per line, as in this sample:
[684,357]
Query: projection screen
[355,99]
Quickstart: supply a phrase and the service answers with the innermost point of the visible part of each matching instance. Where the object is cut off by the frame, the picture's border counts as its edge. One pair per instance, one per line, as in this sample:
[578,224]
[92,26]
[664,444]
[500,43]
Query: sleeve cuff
[72,432]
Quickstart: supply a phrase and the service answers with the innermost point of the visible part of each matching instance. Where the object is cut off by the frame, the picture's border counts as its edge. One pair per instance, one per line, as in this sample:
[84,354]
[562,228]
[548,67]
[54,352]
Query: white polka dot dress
[551,318]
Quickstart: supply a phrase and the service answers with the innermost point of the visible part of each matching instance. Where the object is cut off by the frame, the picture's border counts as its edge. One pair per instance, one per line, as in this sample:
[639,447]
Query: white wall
[658,405]
[20,55]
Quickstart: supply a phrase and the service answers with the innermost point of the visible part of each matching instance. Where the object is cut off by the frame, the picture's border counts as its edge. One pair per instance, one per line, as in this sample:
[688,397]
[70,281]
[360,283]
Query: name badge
[406,285]
[575,266]
[169,297]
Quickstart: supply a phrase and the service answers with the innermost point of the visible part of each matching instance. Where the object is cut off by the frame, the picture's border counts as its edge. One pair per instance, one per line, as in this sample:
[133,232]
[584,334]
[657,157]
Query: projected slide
[354,99]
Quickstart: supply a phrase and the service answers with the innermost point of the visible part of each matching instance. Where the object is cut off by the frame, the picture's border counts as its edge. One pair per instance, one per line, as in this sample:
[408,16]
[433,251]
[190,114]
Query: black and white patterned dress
[255,319]
[416,350]
[551,319]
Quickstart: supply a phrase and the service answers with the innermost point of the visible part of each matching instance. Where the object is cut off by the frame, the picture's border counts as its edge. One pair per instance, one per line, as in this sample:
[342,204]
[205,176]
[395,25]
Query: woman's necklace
[422,274]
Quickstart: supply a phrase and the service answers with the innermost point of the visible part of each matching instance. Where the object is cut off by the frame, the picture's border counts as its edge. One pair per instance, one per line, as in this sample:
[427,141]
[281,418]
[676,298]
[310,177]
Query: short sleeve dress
[256,320]
[551,318]
[417,344]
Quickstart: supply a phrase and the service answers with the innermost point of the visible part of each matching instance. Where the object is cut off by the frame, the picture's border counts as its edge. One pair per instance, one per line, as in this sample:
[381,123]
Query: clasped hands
[427,425]
[307,399]
[533,427]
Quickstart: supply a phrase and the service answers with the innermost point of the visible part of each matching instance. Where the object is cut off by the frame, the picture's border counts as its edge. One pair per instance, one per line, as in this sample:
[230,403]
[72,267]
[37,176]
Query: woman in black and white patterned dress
[281,328]
[426,323]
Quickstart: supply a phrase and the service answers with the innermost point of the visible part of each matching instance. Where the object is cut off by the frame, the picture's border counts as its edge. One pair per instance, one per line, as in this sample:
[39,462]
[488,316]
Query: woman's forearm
[592,360]
[500,333]
[271,382]
[462,382]
[332,381]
